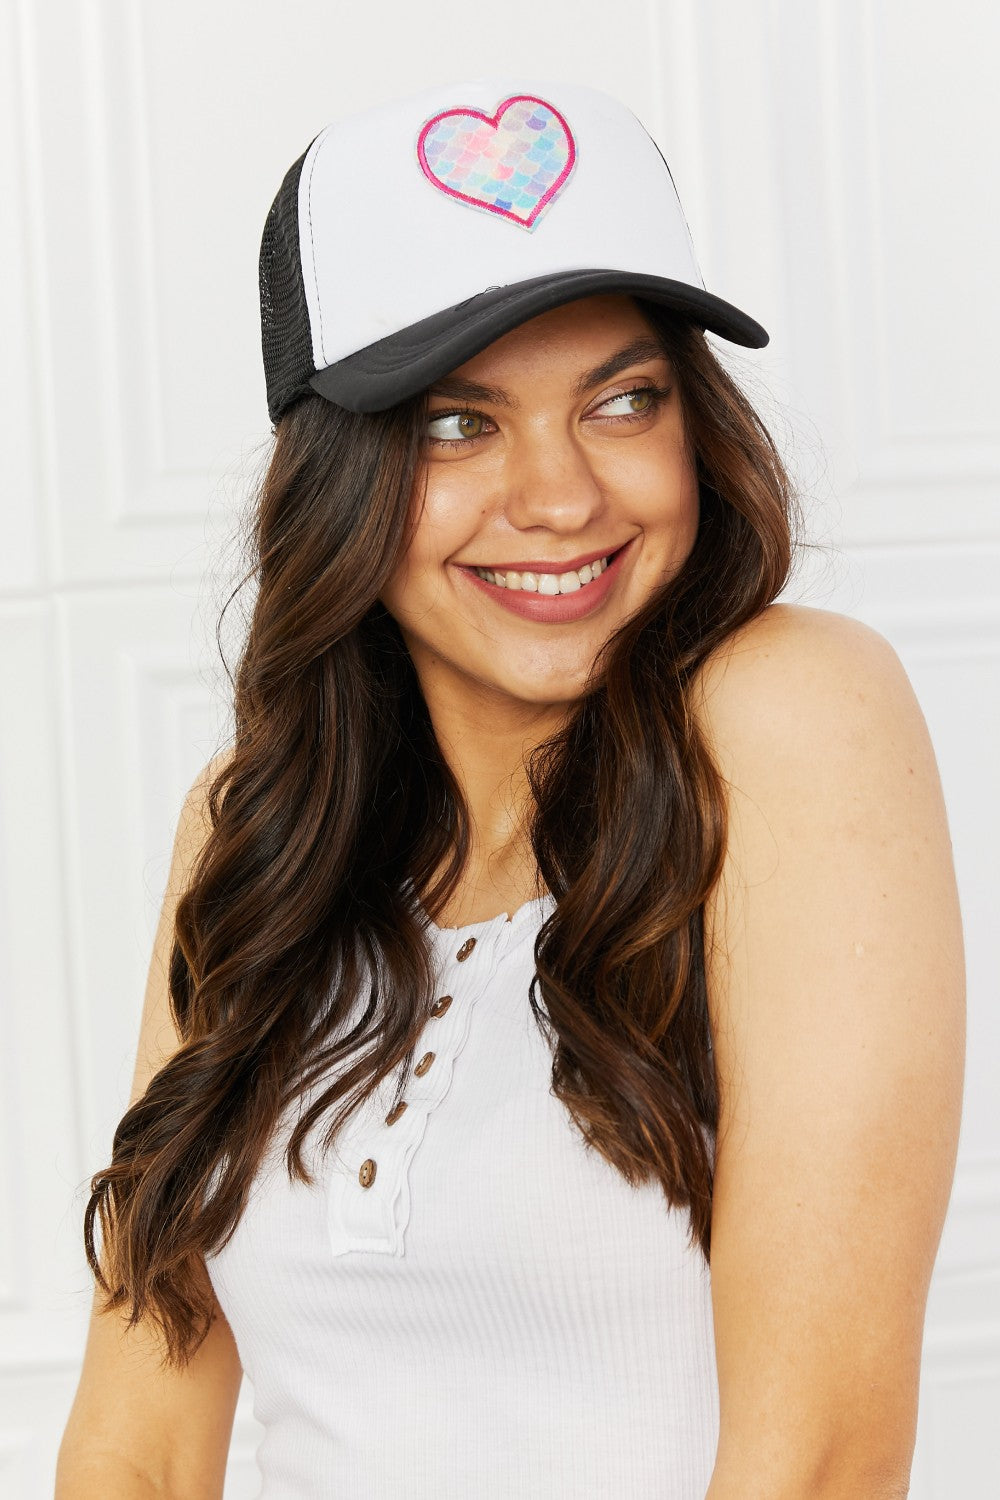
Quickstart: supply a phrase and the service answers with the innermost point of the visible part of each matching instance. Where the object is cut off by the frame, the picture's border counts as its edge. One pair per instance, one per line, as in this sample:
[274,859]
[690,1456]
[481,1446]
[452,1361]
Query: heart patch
[512,163]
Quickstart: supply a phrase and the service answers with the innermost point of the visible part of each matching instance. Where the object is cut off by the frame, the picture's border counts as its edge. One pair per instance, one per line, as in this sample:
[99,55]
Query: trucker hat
[406,238]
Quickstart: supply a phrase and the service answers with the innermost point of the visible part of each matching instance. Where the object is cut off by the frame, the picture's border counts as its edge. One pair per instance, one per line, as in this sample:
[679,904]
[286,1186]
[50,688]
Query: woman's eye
[455,426]
[631,403]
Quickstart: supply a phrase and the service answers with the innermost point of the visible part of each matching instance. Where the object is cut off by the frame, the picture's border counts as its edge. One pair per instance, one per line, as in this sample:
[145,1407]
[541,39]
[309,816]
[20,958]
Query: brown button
[395,1113]
[424,1064]
[465,950]
[440,1006]
[367,1174]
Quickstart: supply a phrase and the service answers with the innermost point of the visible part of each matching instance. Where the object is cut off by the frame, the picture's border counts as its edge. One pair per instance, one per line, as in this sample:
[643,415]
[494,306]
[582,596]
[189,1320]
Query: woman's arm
[137,1430]
[836,991]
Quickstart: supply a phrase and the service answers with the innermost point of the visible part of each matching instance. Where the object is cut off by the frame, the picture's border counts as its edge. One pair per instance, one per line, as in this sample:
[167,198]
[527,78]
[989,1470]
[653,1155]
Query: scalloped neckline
[501,919]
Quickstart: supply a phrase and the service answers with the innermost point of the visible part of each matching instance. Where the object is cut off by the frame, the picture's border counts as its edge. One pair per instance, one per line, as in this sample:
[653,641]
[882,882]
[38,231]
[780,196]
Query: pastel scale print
[512,163]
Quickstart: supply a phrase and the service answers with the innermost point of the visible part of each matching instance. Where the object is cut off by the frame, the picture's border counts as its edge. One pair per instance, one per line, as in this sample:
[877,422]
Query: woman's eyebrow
[633,354]
[470,390]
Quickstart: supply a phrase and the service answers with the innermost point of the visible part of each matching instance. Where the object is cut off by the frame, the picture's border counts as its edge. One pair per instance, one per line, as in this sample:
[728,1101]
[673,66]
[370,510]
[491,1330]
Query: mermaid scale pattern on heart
[512,164]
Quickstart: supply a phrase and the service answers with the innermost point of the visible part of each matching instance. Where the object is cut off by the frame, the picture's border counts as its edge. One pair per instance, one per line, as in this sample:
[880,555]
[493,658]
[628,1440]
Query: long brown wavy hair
[336,807]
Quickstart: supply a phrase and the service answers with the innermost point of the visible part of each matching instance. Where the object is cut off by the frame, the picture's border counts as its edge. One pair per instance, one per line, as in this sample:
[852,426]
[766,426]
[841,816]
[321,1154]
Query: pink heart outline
[494,122]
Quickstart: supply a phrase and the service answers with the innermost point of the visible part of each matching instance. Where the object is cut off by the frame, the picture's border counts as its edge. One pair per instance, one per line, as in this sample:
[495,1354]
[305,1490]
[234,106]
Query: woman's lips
[555,608]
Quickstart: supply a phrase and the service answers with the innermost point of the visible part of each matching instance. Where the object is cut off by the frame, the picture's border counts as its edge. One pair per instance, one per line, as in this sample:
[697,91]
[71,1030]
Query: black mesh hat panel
[286,339]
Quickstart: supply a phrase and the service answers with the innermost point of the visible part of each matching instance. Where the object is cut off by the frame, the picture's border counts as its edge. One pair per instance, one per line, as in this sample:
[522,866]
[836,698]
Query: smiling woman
[550,1072]
[577,455]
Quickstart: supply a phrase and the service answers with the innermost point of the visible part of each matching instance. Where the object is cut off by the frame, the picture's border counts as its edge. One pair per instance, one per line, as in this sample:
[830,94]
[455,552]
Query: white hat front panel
[403,210]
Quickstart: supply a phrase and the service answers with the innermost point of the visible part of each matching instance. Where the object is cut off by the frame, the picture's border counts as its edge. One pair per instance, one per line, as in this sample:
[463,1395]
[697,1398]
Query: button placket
[369,1205]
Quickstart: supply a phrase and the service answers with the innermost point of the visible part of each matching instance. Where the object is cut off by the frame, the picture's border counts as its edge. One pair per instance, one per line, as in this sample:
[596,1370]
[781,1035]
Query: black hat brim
[406,362]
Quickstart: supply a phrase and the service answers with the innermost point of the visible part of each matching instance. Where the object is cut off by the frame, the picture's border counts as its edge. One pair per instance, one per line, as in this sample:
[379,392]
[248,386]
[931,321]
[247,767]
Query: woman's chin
[544,690]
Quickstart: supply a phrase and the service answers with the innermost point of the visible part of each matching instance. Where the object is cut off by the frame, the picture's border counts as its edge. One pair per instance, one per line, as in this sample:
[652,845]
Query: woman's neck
[487,751]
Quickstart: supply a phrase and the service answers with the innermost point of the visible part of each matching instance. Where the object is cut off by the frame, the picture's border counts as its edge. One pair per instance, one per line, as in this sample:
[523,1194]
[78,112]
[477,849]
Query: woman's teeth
[546,583]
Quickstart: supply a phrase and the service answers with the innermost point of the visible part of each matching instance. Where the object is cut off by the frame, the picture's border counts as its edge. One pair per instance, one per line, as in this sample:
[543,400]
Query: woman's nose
[548,481]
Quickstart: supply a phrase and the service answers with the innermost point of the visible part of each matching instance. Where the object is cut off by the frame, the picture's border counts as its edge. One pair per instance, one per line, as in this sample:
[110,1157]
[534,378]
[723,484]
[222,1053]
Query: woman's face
[559,445]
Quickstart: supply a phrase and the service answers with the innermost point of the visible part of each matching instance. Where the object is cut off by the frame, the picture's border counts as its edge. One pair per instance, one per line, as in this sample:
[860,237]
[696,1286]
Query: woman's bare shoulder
[783,635]
[786,673]
[158,1037]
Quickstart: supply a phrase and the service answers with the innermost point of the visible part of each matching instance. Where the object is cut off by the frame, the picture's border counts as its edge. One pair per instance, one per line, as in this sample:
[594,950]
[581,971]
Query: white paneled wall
[836,164]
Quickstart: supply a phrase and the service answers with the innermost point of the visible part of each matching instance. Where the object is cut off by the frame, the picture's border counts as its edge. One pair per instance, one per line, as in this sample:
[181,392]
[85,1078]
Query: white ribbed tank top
[498,1314]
